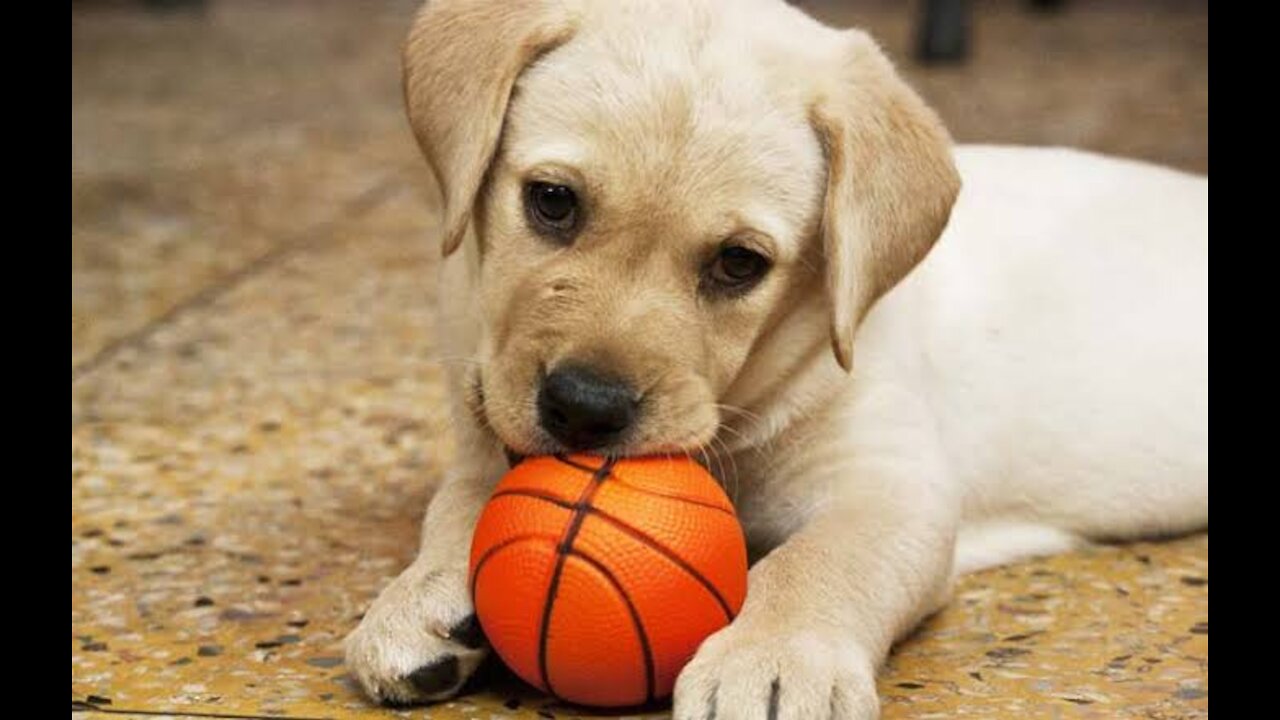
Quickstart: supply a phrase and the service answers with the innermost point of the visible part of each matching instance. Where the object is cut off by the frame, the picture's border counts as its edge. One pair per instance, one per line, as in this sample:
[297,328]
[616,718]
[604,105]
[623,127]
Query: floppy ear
[461,60]
[890,183]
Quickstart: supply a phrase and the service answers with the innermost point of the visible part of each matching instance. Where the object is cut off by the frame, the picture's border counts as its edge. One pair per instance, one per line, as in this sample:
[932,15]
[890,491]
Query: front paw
[419,641]
[741,674]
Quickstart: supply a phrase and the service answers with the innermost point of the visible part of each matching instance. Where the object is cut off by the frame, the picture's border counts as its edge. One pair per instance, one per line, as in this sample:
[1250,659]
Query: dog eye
[735,269]
[551,208]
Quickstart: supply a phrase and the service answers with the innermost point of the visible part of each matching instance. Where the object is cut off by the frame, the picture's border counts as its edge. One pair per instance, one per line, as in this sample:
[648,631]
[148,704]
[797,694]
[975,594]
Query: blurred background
[258,412]
[204,135]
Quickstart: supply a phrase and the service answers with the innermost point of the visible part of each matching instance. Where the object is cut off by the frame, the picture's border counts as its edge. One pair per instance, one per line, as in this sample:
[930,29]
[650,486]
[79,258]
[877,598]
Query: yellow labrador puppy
[724,228]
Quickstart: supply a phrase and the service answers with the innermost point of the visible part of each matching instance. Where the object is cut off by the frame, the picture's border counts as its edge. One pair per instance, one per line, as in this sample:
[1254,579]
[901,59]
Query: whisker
[732,479]
[654,382]
[459,359]
[757,426]
[710,452]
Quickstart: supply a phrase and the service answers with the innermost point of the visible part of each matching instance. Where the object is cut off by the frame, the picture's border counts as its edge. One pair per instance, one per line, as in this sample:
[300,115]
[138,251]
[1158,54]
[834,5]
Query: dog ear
[461,61]
[891,183]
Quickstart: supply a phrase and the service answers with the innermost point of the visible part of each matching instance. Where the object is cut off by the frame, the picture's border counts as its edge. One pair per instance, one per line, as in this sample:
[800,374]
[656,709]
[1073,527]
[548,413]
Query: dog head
[664,198]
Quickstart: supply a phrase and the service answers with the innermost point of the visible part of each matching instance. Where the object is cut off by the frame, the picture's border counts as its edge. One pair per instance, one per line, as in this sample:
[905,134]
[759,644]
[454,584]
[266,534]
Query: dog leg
[823,609]
[420,641]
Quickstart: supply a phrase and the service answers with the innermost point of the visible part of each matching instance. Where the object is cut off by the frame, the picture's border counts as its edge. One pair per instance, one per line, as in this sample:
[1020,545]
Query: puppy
[723,228]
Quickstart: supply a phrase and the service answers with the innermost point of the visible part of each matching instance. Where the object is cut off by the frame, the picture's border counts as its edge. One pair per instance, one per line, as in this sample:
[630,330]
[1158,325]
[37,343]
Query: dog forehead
[692,109]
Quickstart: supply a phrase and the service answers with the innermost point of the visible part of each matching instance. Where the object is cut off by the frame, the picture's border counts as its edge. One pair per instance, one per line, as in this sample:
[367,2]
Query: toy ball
[596,579]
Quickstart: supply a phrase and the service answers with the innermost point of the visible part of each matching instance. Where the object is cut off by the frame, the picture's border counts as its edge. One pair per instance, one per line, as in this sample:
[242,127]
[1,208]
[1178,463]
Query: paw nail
[435,677]
[467,632]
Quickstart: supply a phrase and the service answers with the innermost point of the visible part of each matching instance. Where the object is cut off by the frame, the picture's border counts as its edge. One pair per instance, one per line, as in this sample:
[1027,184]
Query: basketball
[597,579]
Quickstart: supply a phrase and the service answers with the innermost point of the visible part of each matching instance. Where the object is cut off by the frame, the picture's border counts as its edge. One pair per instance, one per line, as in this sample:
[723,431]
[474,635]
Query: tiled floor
[256,399]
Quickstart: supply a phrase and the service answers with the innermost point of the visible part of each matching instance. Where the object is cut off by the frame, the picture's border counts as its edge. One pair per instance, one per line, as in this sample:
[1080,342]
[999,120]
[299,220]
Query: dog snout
[585,409]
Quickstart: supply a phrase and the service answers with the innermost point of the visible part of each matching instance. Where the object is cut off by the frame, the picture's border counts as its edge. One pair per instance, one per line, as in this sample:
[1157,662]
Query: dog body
[1051,351]
[752,191]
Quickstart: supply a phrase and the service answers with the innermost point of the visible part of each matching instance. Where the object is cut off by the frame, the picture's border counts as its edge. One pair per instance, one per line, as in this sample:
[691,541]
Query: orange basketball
[596,580]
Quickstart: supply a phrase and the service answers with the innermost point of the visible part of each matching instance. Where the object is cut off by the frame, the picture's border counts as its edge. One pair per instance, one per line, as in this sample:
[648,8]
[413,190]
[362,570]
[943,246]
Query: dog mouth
[514,458]
[517,449]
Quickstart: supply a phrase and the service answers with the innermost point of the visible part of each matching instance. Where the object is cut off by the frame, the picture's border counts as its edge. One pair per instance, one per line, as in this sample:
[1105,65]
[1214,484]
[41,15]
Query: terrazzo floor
[256,399]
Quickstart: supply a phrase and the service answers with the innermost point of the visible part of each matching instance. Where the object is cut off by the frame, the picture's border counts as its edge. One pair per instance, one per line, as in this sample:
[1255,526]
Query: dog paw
[419,641]
[739,675]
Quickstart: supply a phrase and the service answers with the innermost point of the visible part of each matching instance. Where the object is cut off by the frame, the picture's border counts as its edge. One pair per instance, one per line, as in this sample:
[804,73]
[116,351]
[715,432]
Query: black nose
[583,409]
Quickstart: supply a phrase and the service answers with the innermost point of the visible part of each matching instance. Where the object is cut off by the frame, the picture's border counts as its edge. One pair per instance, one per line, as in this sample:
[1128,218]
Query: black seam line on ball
[650,682]
[562,551]
[556,500]
[475,574]
[575,464]
[535,494]
[620,480]
[775,689]
[666,552]
[634,532]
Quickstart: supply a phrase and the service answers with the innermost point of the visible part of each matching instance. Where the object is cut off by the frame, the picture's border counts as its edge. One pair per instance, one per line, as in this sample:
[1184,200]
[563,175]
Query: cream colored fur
[1031,378]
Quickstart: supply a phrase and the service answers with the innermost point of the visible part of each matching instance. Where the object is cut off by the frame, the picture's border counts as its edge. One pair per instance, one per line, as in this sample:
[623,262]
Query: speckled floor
[256,400]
